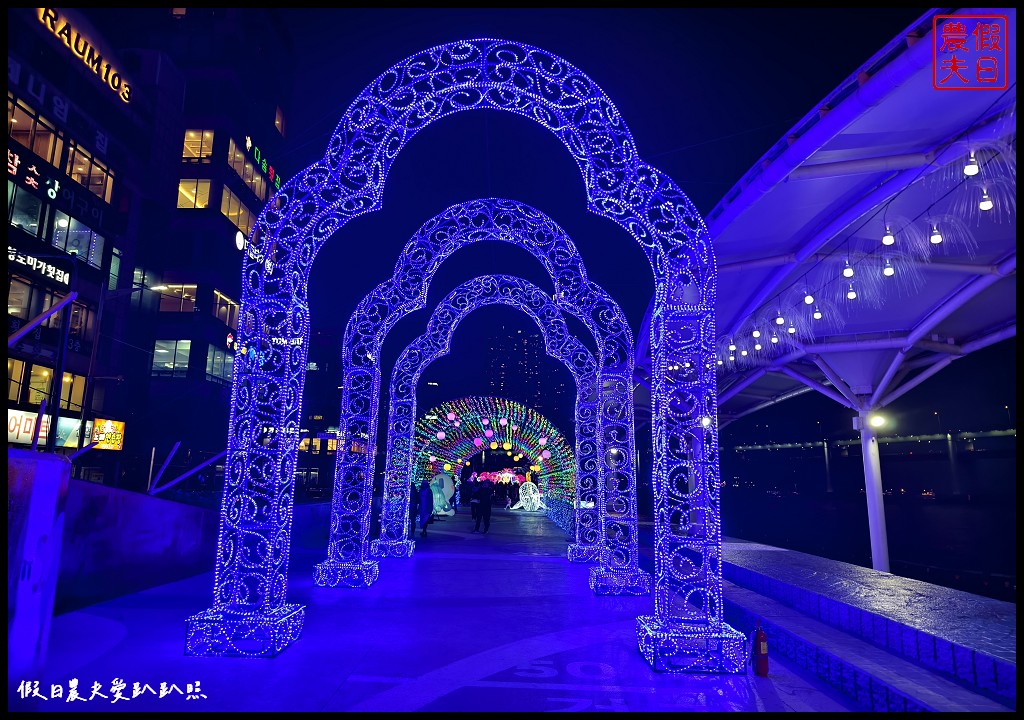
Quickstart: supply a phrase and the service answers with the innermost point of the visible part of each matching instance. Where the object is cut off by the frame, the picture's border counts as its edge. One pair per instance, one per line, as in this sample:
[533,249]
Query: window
[193,193]
[198,146]
[39,384]
[26,301]
[225,309]
[85,169]
[75,238]
[279,121]
[15,378]
[218,365]
[71,392]
[34,132]
[178,298]
[115,269]
[233,209]
[170,358]
[24,210]
[247,170]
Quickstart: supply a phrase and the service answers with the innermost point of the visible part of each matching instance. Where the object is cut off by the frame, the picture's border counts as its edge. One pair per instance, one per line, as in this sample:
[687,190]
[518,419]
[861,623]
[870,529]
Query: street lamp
[1008,418]
[87,390]
[938,418]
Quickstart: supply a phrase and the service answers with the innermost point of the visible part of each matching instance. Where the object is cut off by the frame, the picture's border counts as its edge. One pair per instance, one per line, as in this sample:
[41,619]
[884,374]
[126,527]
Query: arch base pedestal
[231,633]
[669,647]
[580,553]
[331,573]
[620,582]
[392,548]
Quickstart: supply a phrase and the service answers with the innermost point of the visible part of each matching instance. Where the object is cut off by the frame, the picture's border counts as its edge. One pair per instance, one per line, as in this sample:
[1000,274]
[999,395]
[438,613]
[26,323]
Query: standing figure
[474,502]
[414,508]
[484,493]
[426,506]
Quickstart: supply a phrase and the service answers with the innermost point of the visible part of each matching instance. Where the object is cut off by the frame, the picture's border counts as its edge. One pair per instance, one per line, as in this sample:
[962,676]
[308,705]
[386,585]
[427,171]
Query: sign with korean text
[108,434]
[38,265]
[970,52]
[21,425]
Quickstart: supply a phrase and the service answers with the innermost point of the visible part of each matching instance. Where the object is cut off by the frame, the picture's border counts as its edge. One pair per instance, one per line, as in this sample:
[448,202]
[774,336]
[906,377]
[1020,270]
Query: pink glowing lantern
[488,433]
[478,442]
[485,421]
[433,458]
[451,416]
[503,422]
[440,435]
[543,441]
[546,454]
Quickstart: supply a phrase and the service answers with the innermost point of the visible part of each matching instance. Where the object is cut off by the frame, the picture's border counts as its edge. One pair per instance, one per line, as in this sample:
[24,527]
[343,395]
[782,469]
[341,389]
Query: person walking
[426,506]
[484,495]
[414,508]
[471,487]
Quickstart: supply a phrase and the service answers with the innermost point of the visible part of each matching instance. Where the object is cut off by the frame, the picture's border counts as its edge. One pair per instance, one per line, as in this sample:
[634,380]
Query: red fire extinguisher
[759,654]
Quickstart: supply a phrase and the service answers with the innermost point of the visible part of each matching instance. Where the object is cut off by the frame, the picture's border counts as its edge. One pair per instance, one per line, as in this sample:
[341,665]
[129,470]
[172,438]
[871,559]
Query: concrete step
[876,679]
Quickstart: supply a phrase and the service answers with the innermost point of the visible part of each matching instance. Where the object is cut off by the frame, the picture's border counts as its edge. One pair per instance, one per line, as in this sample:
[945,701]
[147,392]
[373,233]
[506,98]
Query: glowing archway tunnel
[457,430]
[250,614]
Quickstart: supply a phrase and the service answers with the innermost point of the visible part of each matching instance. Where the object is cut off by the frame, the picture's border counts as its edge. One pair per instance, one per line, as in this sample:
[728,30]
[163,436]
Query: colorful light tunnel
[449,435]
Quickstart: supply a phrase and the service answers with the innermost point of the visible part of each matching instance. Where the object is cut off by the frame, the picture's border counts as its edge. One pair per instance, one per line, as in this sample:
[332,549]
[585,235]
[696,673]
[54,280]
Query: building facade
[142,146]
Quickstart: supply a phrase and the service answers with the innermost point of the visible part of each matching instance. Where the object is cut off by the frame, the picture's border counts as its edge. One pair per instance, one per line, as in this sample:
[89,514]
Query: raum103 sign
[84,49]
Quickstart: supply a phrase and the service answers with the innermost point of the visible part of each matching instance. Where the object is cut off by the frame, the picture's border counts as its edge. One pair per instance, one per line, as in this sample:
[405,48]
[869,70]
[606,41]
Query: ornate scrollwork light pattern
[687,631]
[457,430]
[607,480]
[434,343]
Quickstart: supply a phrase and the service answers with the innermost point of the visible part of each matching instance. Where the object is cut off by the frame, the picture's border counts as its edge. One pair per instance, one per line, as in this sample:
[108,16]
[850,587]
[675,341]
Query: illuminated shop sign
[29,171]
[108,434]
[21,426]
[43,268]
[262,164]
[80,46]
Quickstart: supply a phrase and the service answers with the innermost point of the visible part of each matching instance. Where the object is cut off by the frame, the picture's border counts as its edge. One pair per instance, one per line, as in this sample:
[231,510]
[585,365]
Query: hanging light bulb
[732,357]
[808,298]
[780,320]
[743,353]
[791,329]
[732,347]
[851,294]
[935,238]
[888,238]
[757,346]
[756,333]
[775,338]
[848,269]
[888,270]
[986,202]
[719,362]
[971,167]
[817,313]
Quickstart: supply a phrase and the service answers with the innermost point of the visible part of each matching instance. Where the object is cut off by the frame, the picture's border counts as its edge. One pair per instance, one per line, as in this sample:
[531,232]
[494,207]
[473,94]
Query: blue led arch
[436,342]
[606,485]
[250,612]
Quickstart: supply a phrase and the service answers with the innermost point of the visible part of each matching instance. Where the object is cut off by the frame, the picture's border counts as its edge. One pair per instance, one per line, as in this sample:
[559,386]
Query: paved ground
[495,622]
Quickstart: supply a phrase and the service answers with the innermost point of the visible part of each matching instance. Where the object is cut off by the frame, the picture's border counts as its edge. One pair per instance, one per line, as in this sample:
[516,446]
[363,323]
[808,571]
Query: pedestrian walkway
[471,622]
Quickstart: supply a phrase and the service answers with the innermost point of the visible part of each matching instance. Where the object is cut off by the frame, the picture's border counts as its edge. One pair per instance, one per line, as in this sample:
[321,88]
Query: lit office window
[234,210]
[225,309]
[75,238]
[218,365]
[279,121]
[246,169]
[85,169]
[170,358]
[115,269]
[24,210]
[33,131]
[39,384]
[71,392]
[193,193]
[178,298]
[15,378]
[198,146]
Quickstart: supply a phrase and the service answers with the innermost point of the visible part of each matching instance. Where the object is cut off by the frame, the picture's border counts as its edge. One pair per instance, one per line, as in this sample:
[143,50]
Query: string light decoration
[435,342]
[987,194]
[523,432]
[438,238]
[250,574]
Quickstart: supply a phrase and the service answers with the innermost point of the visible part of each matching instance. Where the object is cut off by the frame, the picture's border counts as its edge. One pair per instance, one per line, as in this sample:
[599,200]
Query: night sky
[704,92]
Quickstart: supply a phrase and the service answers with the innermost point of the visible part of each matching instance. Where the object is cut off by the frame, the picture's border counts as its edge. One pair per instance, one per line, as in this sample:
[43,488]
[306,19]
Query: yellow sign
[108,434]
[80,46]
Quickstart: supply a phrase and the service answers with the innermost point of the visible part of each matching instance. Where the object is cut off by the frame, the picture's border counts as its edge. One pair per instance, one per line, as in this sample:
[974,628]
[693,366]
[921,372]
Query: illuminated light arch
[250,613]
[524,430]
[434,343]
[606,486]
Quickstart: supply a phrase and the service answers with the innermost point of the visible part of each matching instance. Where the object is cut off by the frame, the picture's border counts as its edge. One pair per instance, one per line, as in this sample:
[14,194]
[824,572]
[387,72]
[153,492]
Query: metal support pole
[873,490]
[57,385]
